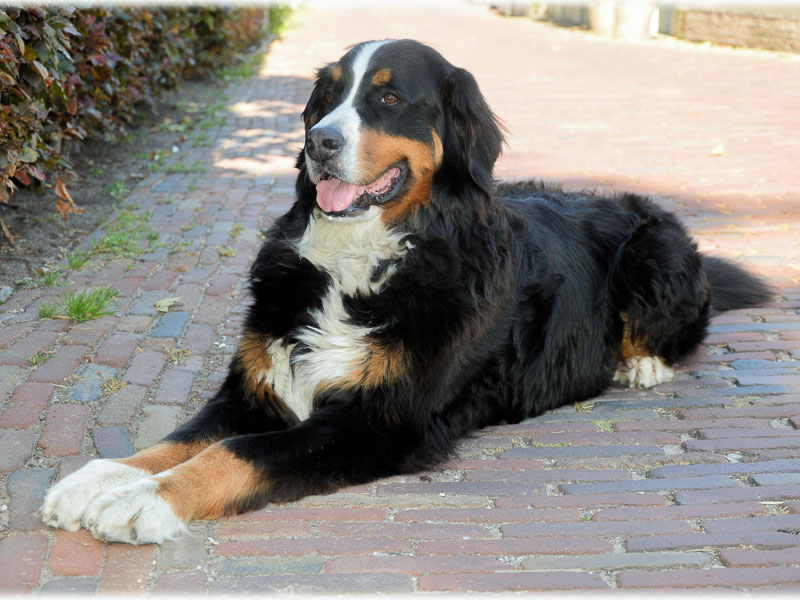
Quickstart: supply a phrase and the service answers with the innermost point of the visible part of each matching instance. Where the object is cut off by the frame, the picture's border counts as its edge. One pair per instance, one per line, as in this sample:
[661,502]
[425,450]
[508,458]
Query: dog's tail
[733,287]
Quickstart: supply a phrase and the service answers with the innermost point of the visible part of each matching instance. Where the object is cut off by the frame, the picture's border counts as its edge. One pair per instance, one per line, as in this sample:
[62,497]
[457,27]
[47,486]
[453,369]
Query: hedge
[85,73]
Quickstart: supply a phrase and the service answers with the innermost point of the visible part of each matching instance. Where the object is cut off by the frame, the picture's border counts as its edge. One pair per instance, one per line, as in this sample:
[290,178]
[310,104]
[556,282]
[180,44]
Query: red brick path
[693,484]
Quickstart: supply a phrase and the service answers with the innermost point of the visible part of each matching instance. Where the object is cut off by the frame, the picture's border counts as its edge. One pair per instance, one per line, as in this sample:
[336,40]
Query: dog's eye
[390,99]
[328,97]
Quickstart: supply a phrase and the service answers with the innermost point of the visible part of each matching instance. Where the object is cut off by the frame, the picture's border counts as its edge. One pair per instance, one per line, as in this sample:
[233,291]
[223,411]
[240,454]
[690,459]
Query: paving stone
[185,552]
[63,429]
[135,324]
[717,578]
[27,488]
[740,557]
[117,349]
[791,464]
[192,583]
[159,421]
[21,557]
[650,485]
[26,405]
[9,377]
[145,367]
[87,388]
[785,523]
[619,560]
[582,451]
[82,586]
[15,448]
[509,581]
[120,406]
[272,565]
[198,338]
[146,303]
[90,332]
[602,528]
[170,324]
[175,387]
[60,365]
[112,442]
[127,568]
[765,539]
[76,553]
[313,584]
[20,353]
[776,478]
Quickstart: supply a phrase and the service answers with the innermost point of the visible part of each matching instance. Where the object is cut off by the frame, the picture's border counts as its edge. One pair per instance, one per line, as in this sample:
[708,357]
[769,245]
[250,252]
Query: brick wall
[754,30]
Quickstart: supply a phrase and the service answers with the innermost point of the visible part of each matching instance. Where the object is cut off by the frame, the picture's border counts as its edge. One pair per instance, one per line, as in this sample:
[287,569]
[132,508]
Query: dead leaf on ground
[6,232]
[64,202]
[164,304]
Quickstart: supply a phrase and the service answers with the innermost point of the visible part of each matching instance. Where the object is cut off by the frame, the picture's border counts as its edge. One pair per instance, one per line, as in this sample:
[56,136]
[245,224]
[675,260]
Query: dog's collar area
[339,198]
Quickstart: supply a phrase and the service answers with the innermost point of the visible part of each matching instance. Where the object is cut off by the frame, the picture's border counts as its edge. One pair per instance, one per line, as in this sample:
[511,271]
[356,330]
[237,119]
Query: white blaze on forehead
[345,117]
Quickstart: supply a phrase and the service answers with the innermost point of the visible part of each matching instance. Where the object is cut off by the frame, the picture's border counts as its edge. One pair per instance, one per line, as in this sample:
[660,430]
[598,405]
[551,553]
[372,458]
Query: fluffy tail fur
[733,287]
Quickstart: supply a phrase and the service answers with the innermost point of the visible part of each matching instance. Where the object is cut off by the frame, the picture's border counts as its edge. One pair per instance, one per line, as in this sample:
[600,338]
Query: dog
[407,299]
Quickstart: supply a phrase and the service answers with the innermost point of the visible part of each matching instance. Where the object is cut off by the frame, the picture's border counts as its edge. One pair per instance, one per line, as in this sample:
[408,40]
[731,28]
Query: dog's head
[385,120]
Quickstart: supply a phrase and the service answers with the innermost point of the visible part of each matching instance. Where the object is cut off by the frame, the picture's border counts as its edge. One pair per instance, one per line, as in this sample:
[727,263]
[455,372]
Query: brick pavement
[693,484]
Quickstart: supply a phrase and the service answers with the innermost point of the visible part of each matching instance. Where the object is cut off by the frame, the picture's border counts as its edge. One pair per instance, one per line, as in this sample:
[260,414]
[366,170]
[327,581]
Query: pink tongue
[335,195]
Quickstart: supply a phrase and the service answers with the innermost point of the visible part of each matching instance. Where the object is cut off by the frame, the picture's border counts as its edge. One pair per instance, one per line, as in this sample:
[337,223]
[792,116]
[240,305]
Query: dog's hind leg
[662,293]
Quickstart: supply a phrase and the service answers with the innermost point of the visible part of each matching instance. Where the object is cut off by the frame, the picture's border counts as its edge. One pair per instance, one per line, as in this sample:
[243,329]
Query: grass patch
[556,445]
[124,238]
[607,425]
[78,259]
[88,304]
[48,278]
[47,311]
[39,358]
[118,190]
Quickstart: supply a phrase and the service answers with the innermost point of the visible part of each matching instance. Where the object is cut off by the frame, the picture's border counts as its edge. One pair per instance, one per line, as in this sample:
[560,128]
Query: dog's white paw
[65,501]
[643,372]
[133,513]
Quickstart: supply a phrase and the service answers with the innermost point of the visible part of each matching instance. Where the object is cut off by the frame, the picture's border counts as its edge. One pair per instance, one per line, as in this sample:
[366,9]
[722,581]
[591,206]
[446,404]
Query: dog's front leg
[246,472]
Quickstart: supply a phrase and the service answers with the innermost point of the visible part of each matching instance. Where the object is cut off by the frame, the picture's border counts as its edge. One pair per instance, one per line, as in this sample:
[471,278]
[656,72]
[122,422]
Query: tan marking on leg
[208,485]
[381,77]
[256,362]
[163,456]
[630,347]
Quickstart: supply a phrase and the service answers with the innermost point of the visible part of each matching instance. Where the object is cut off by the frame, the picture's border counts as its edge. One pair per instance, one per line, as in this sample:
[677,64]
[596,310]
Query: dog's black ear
[472,134]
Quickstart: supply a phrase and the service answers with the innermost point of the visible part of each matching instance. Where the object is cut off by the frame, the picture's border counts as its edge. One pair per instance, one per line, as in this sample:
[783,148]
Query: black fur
[512,300]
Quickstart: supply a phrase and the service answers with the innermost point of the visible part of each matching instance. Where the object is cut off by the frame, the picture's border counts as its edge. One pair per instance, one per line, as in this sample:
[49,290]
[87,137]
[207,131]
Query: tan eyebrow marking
[381,77]
[336,72]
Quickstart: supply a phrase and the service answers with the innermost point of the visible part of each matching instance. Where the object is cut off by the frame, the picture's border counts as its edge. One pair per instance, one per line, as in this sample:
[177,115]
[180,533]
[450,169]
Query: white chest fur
[349,250]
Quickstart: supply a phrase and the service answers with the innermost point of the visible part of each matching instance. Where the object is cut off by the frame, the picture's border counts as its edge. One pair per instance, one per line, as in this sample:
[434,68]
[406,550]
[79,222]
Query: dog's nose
[324,143]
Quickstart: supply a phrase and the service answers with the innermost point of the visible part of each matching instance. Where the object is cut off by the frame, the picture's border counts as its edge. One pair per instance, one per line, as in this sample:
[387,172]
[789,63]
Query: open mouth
[341,199]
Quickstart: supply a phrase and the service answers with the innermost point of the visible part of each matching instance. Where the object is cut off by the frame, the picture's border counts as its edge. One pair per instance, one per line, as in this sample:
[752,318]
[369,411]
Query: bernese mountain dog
[407,299]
